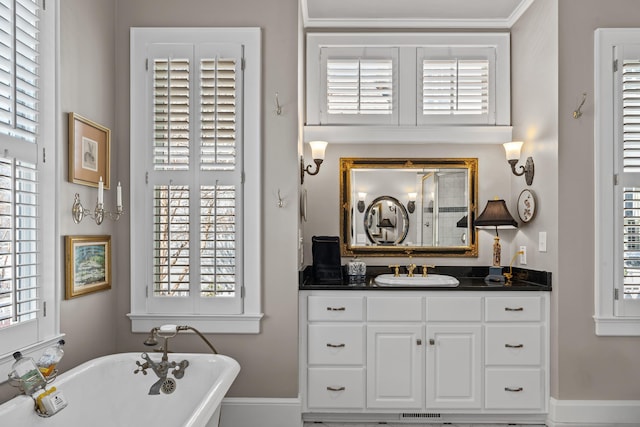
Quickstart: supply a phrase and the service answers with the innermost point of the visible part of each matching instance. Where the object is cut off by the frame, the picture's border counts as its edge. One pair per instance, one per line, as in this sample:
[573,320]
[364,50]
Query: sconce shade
[317,153]
[317,149]
[512,149]
[495,214]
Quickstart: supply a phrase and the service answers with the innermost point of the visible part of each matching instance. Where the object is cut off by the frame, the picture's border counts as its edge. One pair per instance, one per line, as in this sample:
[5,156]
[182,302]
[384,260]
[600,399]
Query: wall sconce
[496,214]
[317,153]
[512,150]
[411,205]
[361,199]
[78,212]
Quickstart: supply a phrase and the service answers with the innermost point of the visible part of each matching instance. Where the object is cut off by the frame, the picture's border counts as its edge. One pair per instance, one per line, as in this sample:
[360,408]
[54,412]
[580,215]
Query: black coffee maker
[327,268]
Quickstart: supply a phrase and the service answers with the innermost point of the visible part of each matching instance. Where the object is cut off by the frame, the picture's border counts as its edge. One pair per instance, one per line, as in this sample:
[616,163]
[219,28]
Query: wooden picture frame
[89,152]
[88,264]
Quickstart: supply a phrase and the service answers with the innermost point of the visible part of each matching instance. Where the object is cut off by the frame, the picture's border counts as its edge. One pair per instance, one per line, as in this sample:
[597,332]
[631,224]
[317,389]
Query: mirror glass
[402,206]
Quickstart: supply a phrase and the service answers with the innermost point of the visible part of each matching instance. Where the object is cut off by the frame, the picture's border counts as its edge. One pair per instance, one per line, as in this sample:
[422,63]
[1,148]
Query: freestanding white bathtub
[104,392]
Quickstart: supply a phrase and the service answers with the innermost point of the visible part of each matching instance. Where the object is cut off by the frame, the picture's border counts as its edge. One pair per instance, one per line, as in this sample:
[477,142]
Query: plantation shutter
[19,199]
[456,85]
[628,169]
[197,178]
[359,85]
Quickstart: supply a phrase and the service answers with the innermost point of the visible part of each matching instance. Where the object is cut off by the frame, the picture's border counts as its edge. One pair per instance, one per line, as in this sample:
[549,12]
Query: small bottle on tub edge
[50,358]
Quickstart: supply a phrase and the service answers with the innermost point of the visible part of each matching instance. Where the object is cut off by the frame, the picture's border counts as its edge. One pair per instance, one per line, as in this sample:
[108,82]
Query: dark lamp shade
[495,214]
[386,223]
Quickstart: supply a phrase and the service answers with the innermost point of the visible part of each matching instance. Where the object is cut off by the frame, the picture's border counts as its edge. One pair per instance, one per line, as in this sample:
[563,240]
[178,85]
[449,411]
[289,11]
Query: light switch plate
[542,241]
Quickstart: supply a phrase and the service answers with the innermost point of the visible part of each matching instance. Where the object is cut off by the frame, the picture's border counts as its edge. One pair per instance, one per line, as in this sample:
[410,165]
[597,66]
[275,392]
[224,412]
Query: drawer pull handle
[514,345]
[336,308]
[514,309]
[336,388]
[335,345]
[513,390]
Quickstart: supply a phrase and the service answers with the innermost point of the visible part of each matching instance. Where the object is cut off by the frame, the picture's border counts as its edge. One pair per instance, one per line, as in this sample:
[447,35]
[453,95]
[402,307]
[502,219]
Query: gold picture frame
[89,152]
[88,264]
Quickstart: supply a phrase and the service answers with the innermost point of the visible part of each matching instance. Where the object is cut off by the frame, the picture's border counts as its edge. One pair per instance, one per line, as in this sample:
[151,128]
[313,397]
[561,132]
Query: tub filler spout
[165,384]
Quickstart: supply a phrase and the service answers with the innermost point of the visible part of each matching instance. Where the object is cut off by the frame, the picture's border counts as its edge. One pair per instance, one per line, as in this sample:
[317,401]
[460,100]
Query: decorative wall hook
[278,106]
[578,111]
[280,200]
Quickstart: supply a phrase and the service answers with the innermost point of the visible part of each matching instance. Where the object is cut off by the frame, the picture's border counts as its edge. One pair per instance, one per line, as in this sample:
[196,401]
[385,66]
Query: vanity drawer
[513,345]
[394,309]
[513,388]
[513,309]
[455,309]
[335,387]
[336,344]
[335,308]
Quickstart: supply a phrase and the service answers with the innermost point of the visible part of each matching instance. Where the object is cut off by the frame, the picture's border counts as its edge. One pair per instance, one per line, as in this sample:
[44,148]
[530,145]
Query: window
[617,182]
[411,79]
[458,85]
[28,312]
[360,85]
[195,183]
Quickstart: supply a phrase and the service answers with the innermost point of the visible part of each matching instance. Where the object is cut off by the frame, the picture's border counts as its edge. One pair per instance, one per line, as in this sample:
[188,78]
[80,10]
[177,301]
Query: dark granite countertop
[470,278]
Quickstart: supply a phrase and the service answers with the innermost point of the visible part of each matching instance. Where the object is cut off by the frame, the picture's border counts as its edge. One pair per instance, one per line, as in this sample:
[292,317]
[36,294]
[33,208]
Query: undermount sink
[404,280]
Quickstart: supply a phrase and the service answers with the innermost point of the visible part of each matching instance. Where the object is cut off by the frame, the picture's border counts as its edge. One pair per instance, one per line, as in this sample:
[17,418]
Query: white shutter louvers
[359,86]
[455,86]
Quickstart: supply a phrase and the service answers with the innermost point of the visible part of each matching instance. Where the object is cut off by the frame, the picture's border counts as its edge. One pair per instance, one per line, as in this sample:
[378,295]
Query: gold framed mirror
[400,207]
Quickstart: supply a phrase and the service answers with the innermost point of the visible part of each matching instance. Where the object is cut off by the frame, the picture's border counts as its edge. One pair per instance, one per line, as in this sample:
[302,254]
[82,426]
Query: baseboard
[593,412]
[260,412]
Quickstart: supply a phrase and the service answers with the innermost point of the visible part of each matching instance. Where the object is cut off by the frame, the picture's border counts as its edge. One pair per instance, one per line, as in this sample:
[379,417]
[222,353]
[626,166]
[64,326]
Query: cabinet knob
[418,341]
[432,341]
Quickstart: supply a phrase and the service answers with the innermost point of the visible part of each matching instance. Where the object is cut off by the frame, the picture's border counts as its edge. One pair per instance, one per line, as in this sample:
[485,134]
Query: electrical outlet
[523,255]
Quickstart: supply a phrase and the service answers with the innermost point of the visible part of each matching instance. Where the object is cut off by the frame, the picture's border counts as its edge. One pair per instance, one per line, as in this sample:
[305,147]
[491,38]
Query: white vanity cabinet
[395,336]
[454,356]
[334,362]
[390,354]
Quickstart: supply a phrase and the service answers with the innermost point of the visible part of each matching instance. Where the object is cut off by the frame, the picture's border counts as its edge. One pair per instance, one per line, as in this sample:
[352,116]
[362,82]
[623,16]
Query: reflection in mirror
[419,206]
[386,221]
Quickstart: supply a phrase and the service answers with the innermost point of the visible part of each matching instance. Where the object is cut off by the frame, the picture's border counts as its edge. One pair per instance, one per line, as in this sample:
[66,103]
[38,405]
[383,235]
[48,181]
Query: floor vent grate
[414,415]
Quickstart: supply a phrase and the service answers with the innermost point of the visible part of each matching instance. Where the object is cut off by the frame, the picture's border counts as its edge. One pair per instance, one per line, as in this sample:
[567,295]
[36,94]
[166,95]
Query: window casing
[617,182]
[437,79]
[196,200]
[28,303]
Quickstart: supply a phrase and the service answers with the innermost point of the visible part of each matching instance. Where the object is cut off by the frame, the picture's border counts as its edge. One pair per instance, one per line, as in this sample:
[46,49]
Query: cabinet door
[453,377]
[394,366]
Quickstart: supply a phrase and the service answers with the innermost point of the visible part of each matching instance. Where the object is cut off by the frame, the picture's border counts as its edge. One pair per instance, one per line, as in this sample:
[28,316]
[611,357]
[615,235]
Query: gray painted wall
[588,367]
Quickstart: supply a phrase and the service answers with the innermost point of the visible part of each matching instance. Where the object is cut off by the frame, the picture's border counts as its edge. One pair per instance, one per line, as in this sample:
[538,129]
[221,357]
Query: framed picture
[89,152]
[88,264]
